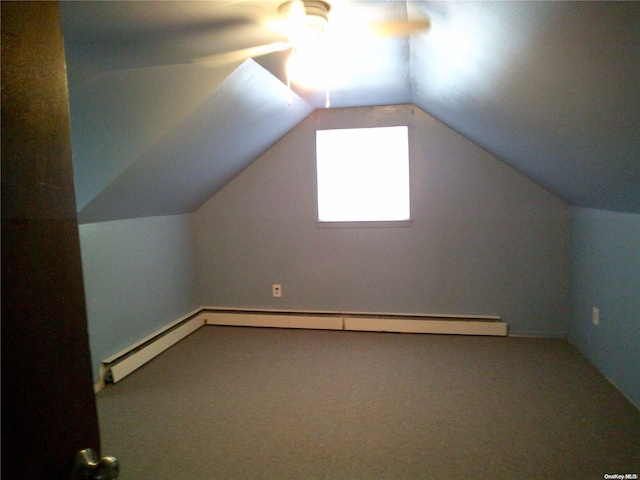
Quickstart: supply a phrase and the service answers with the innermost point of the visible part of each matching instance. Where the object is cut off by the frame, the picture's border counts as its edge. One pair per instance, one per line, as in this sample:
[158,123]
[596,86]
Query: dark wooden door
[48,405]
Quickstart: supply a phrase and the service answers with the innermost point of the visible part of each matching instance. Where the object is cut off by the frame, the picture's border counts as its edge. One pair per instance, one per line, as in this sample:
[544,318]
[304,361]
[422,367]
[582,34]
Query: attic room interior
[196,177]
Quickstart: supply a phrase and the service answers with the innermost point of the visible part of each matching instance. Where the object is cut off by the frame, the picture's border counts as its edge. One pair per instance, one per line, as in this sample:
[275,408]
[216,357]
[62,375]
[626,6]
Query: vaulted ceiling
[550,88]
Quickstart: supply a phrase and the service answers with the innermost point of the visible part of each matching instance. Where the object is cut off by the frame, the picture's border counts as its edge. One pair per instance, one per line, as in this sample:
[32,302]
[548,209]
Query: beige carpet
[250,403]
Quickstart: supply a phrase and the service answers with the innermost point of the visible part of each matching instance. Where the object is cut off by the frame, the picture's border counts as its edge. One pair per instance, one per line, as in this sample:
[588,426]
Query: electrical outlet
[277,290]
[595,315]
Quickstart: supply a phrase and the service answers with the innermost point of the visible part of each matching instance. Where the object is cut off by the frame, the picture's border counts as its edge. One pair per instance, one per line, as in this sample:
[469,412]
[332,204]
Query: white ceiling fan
[306,30]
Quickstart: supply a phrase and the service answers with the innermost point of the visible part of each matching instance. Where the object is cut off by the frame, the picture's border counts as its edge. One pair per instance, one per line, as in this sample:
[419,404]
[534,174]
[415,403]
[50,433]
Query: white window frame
[364,153]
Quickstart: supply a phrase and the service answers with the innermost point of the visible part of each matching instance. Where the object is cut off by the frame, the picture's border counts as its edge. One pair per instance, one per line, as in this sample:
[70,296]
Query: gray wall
[606,274]
[484,240]
[139,275]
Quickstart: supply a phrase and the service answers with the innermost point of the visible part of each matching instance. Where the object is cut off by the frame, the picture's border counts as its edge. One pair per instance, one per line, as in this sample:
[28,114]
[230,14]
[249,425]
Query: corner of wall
[605,281]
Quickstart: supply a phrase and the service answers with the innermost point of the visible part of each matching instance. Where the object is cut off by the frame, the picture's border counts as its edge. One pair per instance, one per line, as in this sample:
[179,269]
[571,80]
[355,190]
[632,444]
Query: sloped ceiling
[551,88]
[181,159]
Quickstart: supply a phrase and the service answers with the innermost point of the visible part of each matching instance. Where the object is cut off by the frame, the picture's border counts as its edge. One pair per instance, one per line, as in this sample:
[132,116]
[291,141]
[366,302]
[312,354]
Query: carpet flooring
[252,403]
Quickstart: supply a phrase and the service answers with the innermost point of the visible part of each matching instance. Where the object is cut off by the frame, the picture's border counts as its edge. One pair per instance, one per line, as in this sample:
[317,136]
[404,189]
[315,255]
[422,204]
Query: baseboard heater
[118,366]
[358,321]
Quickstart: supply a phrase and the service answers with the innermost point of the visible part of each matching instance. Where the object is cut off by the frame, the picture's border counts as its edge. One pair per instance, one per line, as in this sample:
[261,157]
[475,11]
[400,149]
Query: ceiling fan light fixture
[308,64]
[311,15]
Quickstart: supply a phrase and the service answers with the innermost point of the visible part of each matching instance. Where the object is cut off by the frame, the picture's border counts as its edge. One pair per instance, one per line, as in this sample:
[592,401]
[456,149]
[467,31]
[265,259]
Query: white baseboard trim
[410,325]
[359,321]
[348,313]
[244,319]
[150,337]
[118,366]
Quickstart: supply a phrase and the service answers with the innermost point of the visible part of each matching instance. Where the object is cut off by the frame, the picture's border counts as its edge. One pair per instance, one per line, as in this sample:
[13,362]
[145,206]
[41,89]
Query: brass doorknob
[88,467]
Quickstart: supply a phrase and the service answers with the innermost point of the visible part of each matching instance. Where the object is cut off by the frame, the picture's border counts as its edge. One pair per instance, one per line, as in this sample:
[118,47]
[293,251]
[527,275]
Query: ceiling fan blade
[401,27]
[243,54]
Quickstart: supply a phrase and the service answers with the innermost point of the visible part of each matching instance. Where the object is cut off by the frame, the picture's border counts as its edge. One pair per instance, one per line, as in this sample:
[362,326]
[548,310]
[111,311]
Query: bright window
[363,174]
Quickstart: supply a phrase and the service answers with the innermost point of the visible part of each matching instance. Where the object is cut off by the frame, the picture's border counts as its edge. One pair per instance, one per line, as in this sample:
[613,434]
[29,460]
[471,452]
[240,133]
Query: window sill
[374,224]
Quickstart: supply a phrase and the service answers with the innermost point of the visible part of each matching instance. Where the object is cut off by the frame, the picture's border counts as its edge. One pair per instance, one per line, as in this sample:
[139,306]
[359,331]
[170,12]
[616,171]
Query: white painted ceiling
[551,88]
